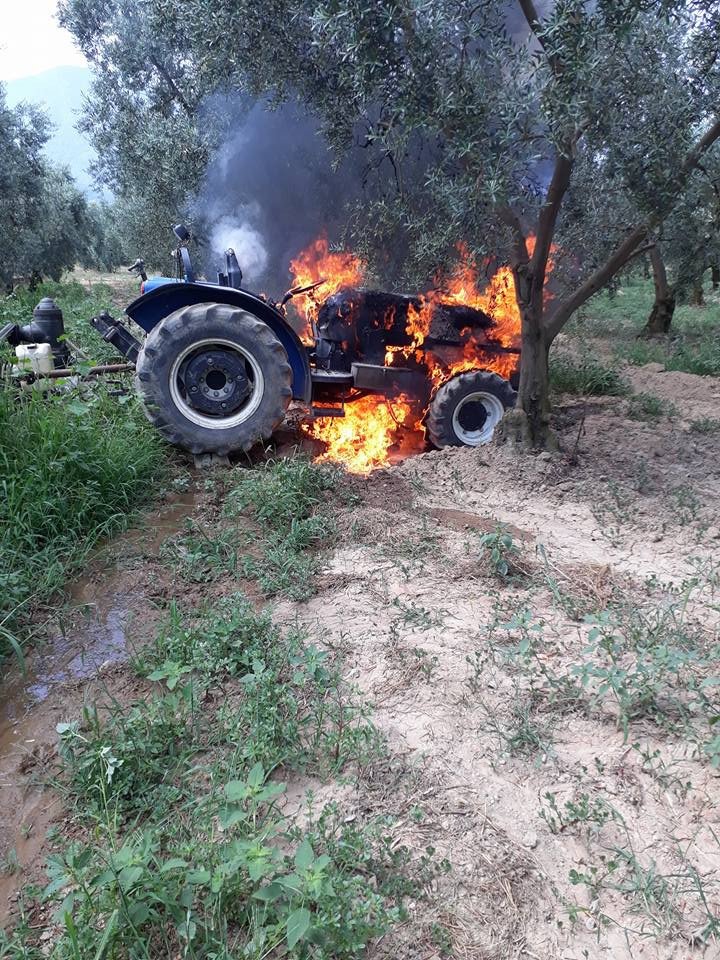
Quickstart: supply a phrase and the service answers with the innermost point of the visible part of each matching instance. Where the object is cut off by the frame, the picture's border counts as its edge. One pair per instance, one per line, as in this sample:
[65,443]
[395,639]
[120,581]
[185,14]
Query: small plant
[9,864]
[414,615]
[647,406]
[685,502]
[585,810]
[585,376]
[678,904]
[426,662]
[517,727]
[705,425]
[501,551]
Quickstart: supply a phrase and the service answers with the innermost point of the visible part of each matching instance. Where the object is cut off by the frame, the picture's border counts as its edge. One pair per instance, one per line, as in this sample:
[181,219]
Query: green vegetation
[278,510]
[47,225]
[623,312]
[705,425]
[501,551]
[180,845]
[652,664]
[691,347]
[646,406]
[75,466]
[688,353]
[585,376]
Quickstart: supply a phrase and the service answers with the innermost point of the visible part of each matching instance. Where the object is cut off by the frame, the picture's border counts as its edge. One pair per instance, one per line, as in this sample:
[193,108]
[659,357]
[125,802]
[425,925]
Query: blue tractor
[219,365]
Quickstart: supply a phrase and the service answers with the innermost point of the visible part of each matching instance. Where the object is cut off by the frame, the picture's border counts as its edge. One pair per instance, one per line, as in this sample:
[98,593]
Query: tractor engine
[357,325]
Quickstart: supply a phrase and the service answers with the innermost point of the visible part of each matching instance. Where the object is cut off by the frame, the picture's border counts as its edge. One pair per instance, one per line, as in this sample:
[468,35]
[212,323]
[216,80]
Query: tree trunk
[715,275]
[696,297]
[661,315]
[528,424]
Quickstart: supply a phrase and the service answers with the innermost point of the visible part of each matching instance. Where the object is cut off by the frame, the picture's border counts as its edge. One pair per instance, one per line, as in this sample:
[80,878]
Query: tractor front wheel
[213,379]
[466,409]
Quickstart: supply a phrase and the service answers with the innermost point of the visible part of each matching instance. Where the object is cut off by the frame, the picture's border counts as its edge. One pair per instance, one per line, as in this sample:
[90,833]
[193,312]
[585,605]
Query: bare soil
[626,512]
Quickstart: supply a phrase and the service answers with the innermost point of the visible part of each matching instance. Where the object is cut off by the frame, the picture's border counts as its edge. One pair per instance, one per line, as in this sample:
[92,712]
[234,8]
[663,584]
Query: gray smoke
[270,190]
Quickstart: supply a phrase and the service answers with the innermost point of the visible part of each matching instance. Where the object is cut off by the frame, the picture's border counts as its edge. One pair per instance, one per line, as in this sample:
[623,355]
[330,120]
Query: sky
[31,40]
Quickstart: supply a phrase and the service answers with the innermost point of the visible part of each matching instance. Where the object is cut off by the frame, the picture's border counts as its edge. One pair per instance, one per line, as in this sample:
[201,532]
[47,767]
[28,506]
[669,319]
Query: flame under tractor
[219,366]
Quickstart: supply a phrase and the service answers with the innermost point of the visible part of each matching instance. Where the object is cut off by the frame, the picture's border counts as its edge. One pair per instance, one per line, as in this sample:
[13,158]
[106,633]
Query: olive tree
[688,244]
[144,115]
[46,224]
[24,131]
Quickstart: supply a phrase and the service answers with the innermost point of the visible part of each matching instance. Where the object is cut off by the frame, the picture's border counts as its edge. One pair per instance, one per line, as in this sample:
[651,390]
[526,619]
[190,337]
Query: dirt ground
[629,510]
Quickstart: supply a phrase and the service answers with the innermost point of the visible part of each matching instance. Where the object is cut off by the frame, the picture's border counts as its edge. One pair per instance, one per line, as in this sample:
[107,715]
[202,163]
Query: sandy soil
[624,515]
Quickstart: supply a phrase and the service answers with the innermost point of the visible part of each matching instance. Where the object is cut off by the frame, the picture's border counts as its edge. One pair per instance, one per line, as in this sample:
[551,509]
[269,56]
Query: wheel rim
[475,418]
[219,386]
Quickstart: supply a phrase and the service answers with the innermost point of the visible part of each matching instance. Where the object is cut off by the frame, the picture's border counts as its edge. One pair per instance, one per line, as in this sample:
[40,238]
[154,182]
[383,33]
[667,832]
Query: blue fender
[152,307]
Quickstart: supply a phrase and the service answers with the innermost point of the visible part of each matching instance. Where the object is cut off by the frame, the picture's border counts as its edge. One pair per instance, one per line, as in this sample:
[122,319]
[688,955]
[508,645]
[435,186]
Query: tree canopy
[47,225]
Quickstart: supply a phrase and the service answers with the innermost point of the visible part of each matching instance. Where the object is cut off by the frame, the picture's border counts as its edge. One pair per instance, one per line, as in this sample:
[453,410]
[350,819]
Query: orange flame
[497,300]
[363,438]
[337,269]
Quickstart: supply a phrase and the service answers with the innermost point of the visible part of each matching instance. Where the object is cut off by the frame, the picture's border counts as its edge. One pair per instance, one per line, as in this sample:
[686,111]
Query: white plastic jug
[37,357]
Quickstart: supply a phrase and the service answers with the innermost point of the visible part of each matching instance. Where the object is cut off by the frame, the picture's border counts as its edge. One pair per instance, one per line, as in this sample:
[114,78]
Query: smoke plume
[270,190]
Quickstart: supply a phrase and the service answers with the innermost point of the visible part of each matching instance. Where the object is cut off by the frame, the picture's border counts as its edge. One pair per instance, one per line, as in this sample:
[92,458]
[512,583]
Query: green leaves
[500,550]
[171,672]
[298,924]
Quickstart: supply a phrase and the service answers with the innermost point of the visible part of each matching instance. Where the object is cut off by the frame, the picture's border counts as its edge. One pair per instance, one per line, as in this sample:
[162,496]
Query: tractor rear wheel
[467,408]
[213,378]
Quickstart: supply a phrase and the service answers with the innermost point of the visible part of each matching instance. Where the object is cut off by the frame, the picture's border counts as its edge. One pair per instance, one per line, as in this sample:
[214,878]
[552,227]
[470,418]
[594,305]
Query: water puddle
[91,635]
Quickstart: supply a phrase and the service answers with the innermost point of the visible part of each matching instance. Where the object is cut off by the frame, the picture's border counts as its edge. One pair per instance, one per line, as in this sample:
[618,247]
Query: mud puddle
[94,631]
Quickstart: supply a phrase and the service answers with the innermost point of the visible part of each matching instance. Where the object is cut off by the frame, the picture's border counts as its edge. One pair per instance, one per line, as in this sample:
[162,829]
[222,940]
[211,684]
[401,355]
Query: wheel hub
[216,382]
[472,415]
[475,418]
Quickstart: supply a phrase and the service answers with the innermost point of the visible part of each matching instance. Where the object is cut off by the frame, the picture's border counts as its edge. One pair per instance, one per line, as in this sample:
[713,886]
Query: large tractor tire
[466,409]
[213,379]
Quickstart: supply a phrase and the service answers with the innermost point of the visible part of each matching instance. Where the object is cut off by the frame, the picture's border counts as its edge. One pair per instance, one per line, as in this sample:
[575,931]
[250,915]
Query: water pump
[46,326]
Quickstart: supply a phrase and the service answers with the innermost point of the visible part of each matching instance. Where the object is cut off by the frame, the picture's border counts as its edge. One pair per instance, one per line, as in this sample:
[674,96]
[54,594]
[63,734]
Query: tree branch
[628,249]
[596,281]
[165,74]
[547,219]
[695,155]
[533,21]
[520,250]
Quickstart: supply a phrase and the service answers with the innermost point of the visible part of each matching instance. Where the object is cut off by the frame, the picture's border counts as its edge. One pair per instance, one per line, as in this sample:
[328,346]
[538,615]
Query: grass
[648,407]
[705,425]
[178,844]
[626,313]
[691,347]
[585,376]
[275,522]
[75,465]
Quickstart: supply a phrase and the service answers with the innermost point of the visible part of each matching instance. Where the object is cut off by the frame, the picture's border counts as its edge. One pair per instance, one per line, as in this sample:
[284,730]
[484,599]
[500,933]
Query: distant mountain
[60,92]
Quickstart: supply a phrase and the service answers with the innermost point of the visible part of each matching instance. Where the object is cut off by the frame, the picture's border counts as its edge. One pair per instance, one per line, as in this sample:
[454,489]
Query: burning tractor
[219,366]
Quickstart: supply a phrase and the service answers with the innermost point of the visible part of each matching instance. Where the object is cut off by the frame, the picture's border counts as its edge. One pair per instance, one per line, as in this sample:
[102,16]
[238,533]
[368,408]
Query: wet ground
[82,647]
